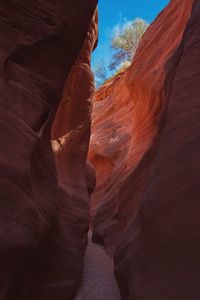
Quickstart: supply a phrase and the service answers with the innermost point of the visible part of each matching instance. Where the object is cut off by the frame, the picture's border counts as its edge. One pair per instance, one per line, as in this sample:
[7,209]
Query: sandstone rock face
[160,249]
[148,211]
[40,41]
[70,141]
[110,139]
[125,122]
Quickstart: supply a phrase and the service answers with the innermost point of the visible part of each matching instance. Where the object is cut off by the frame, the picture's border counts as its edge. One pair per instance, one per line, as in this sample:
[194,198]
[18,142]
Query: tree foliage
[100,72]
[126,41]
[124,44]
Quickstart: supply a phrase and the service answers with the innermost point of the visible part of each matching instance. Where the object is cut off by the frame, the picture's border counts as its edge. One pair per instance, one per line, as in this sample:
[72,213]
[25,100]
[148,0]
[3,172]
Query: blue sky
[113,13]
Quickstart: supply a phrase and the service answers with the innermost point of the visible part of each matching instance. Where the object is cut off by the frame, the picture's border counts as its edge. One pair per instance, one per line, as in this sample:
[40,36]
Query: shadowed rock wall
[39,43]
[70,141]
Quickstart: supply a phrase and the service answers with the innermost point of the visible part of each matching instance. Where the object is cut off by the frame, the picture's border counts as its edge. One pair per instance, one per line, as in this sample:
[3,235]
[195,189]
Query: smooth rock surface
[148,212]
[160,249]
[125,121]
[39,43]
[70,141]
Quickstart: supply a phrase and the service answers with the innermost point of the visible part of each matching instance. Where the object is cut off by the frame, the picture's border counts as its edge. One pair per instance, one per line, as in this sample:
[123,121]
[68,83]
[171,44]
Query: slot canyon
[99,187]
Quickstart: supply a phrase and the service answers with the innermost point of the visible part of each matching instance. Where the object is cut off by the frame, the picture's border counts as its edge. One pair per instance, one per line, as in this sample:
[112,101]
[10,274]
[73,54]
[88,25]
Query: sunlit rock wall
[125,121]
[158,256]
[146,211]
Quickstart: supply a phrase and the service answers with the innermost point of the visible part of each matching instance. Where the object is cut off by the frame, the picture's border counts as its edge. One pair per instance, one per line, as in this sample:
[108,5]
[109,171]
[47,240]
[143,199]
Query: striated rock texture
[40,41]
[125,121]
[149,212]
[110,138]
[70,141]
[160,249]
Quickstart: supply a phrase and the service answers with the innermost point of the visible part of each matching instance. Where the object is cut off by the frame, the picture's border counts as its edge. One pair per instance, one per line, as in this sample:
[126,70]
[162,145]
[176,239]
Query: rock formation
[70,141]
[125,121]
[40,41]
[145,151]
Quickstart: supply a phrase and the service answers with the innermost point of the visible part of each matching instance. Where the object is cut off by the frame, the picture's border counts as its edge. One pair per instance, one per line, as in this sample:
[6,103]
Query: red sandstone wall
[158,255]
[70,142]
[40,41]
[125,121]
[148,212]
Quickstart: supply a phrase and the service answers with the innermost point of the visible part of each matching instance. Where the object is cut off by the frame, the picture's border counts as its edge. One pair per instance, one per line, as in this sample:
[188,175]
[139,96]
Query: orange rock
[125,121]
[158,253]
[146,204]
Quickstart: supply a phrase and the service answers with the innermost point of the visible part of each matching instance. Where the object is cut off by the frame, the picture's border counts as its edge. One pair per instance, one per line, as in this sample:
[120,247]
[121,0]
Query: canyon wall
[125,121]
[40,42]
[145,207]
[70,142]
[160,249]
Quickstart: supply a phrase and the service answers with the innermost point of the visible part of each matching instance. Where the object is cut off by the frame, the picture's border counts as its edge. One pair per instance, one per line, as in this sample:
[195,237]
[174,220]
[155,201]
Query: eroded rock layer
[40,41]
[160,249]
[125,121]
[70,141]
[148,211]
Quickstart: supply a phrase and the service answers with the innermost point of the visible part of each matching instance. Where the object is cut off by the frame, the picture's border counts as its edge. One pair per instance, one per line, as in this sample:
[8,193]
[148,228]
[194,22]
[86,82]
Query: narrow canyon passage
[122,157]
[98,281]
